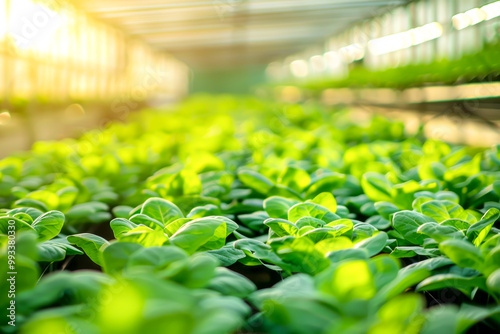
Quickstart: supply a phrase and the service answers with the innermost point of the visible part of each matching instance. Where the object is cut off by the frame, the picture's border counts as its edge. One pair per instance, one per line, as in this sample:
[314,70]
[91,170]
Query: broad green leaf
[408,222]
[122,211]
[412,251]
[229,283]
[67,197]
[145,236]
[457,223]
[477,232]
[352,280]
[442,281]
[386,209]
[142,219]
[203,234]
[32,212]
[442,210]
[309,221]
[463,253]
[255,181]
[294,178]
[161,210]
[14,225]
[326,200]
[48,198]
[24,217]
[117,254]
[31,203]
[311,210]
[120,226]
[300,254]
[440,232]
[227,255]
[493,281]
[281,227]
[156,258]
[277,207]
[50,252]
[376,187]
[373,245]
[318,234]
[326,182]
[333,244]
[91,245]
[48,225]
[204,211]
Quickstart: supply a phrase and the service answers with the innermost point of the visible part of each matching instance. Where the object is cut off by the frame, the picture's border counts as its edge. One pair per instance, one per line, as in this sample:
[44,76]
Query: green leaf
[440,232]
[204,211]
[463,253]
[333,244]
[294,178]
[493,281]
[326,182]
[404,280]
[255,181]
[184,183]
[121,226]
[373,245]
[48,225]
[156,258]
[18,225]
[442,281]
[122,211]
[457,223]
[411,251]
[67,197]
[229,283]
[442,210]
[311,210]
[91,245]
[376,187]
[142,219]
[32,203]
[203,234]
[161,210]
[300,254]
[117,254]
[227,255]
[50,252]
[326,200]
[309,221]
[145,236]
[24,217]
[350,280]
[386,209]
[477,232]
[277,207]
[281,227]
[408,222]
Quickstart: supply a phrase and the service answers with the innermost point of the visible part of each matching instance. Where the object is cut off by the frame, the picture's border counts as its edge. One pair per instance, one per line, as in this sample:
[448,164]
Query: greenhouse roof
[233,32]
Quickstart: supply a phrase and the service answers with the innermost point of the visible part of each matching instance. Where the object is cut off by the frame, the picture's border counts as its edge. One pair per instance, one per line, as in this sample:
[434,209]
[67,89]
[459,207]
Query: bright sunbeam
[32,25]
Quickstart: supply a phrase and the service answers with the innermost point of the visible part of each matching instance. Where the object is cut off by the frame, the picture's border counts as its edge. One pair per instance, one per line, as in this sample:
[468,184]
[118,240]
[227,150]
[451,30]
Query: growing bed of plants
[232,215]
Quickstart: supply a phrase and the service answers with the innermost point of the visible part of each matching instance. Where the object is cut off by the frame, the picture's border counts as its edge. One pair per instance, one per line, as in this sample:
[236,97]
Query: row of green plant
[229,215]
[482,66]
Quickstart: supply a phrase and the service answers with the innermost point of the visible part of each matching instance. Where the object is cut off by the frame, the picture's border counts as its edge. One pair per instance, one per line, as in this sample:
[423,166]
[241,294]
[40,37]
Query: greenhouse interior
[250,166]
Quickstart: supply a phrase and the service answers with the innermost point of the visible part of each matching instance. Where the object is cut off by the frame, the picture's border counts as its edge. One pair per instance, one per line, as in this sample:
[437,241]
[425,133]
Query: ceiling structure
[225,33]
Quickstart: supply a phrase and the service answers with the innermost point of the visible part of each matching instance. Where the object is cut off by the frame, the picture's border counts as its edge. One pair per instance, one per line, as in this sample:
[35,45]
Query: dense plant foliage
[481,66]
[235,215]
